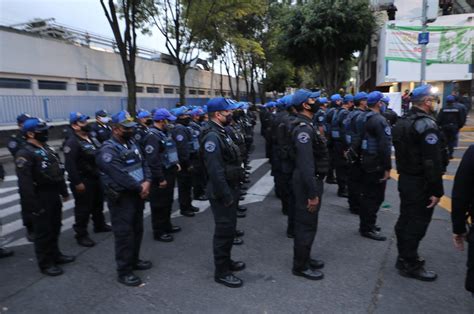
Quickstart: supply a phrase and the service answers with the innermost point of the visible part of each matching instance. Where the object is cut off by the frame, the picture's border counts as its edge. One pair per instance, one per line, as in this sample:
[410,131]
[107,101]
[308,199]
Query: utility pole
[424,28]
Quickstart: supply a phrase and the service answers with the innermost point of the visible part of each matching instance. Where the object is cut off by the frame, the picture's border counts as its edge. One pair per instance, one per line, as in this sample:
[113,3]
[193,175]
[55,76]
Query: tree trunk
[222,81]
[182,69]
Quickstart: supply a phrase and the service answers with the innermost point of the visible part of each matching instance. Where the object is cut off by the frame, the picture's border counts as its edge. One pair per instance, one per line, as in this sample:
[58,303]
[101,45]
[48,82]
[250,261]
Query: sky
[86,15]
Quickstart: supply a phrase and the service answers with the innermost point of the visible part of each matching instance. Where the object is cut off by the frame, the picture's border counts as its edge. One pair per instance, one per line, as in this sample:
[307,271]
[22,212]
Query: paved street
[359,275]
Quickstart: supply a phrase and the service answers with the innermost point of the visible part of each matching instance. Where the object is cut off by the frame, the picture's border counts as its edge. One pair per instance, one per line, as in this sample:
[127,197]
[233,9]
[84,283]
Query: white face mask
[245,110]
[104,120]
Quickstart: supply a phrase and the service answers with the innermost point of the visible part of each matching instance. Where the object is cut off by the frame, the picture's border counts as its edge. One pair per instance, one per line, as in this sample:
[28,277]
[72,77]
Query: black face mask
[41,136]
[314,107]
[185,121]
[126,135]
[228,120]
[149,122]
[86,128]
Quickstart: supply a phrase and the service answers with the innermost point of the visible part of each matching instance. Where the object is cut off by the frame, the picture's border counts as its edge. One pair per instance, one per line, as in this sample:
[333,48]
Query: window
[168,90]
[217,92]
[192,92]
[155,90]
[176,91]
[112,88]
[209,92]
[88,86]
[14,83]
[56,85]
[201,92]
[139,89]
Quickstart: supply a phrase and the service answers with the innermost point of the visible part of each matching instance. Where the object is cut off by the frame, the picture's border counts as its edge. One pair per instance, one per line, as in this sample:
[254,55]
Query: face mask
[383,108]
[185,121]
[227,120]
[86,128]
[126,135]
[104,120]
[149,122]
[41,136]
[314,107]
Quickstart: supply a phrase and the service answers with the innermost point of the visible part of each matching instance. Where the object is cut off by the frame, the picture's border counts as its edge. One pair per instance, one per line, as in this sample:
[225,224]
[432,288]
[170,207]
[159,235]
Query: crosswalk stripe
[256,192]
[5,190]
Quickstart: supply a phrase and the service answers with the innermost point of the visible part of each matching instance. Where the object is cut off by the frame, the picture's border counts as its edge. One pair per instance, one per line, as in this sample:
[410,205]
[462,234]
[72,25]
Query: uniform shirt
[154,149]
[182,137]
[141,132]
[451,115]
[377,128]
[79,157]
[15,143]
[113,166]
[303,138]
[36,168]
[463,192]
[101,132]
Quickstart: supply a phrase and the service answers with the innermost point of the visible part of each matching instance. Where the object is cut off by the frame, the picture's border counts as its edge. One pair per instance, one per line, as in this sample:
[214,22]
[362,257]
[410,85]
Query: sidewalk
[469,127]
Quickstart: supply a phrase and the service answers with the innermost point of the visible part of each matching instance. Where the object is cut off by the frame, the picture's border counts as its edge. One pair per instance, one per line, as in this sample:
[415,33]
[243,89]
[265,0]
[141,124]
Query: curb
[467,129]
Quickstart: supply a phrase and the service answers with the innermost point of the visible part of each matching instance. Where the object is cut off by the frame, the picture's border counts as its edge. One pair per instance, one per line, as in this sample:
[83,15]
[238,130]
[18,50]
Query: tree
[127,45]
[326,34]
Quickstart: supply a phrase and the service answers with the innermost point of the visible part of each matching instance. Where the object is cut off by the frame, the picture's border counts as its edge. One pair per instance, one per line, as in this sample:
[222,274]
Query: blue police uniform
[451,119]
[123,170]
[101,129]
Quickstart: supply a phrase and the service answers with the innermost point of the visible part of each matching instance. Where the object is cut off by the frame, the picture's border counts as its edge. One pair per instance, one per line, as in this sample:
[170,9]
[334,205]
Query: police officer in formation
[101,128]
[144,121]
[223,164]
[451,118]
[198,172]
[331,113]
[126,178]
[311,165]
[161,155]
[187,144]
[43,189]
[16,142]
[421,159]
[79,152]
[375,161]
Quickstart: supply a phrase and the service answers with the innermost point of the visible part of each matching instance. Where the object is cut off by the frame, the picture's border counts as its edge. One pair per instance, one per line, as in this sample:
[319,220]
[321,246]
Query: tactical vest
[230,154]
[48,168]
[130,158]
[320,150]
[194,142]
[350,125]
[87,165]
[170,152]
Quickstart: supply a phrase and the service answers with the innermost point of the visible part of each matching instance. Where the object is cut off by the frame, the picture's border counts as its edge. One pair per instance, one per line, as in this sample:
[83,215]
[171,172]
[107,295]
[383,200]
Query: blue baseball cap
[142,114]
[348,98]
[181,111]
[386,99]
[77,117]
[233,104]
[361,96]
[163,114]
[336,97]
[421,91]
[322,100]
[270,104]
[300,96]
[219,104]
[197,112]
[204,109]
[22,118]
[451,98]
[34,124]
[101,113]
[124,119]
[374,97]
[315,95]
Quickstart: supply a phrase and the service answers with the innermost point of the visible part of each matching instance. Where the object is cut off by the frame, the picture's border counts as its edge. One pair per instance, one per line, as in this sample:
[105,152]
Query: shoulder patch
[67,149]
[321,118]
[138,137]
[149,149]
[12,144]
[431,138]
[210,146]
[303,137]
[388,130]
[107,157]
[20,162]
[179,137]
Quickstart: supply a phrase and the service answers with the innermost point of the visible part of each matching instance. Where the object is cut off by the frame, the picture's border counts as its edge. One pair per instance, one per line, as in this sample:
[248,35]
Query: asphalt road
[359,275]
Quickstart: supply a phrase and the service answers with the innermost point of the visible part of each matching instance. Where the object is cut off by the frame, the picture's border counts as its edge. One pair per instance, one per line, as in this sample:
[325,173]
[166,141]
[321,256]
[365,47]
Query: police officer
[162,157]
[198,173]
[311,165]
[320,116]
[144,121]
[79,152]
[388,113]
[16,142]
[451,119]
[353,140]
[421,164]
[41,178]
[184,140]
[463,209]
[339,145]
[101,128]
[126,178]
[376,149]
[223,165]
[335,106]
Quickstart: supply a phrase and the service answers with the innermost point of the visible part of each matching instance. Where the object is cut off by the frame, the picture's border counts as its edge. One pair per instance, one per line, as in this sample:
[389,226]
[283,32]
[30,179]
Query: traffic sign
[423,38]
